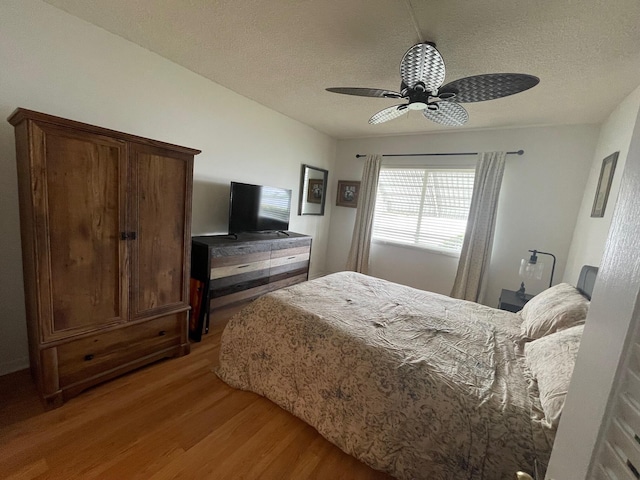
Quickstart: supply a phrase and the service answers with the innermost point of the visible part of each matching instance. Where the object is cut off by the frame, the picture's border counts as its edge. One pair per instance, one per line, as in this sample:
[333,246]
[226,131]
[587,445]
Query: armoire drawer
[90,356]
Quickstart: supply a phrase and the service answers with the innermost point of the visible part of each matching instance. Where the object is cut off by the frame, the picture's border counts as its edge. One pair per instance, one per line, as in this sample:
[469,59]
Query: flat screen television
[258,208]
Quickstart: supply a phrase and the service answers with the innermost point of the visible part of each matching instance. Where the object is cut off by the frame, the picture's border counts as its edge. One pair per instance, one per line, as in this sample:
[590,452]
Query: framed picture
[315,187]
[348,192]
[604,185]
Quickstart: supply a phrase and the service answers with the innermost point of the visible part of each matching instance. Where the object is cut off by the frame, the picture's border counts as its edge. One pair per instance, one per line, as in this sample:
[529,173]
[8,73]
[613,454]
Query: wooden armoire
[106,238]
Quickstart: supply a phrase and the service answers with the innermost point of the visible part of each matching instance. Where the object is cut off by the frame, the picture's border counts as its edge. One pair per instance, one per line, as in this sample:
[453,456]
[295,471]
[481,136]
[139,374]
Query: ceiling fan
[422,72]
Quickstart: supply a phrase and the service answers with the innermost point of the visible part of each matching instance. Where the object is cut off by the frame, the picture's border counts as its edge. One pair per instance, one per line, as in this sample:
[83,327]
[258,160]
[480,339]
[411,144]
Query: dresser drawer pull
[291,258]
[244,266]
[88,357]
[162,333]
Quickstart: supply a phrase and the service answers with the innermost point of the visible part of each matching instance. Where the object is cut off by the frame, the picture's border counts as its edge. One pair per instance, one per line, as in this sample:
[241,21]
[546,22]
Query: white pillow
[550,360]
[558,307]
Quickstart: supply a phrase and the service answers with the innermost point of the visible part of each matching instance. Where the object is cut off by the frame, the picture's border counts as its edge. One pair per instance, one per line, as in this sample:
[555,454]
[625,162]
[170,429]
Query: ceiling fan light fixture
[417,106]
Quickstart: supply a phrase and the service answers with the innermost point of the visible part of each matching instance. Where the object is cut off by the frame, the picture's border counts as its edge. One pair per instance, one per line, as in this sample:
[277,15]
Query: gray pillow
[550,360]
[558,307]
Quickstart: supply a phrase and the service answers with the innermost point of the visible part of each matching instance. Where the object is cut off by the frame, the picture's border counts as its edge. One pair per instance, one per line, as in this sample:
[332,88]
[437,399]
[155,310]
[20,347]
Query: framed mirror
[313,190]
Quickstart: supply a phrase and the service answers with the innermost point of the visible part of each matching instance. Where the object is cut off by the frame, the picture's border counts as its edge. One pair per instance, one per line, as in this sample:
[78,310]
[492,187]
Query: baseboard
[14,365]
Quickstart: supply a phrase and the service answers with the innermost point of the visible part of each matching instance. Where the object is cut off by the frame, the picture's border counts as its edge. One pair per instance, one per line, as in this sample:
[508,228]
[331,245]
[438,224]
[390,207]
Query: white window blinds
[423,207]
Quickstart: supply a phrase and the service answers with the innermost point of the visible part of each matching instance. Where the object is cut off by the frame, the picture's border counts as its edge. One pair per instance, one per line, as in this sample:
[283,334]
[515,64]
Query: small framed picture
[348,193]
[604,185]
[315,189]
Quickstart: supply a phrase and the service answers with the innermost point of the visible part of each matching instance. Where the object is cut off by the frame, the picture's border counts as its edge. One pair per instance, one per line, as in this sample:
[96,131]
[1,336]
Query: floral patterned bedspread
[413,383]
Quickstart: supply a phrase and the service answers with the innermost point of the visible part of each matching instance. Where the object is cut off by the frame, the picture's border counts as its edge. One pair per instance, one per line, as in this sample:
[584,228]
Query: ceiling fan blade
[448,113]
[422,63]
[489,86]
[388,114]
[365,92]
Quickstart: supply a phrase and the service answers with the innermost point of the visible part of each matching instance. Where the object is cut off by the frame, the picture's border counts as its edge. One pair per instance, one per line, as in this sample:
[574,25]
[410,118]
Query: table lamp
[533,268]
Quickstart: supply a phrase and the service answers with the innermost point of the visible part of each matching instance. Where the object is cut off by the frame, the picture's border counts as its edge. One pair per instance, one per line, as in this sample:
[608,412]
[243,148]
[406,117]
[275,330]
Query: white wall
[611,323]
[539,202]
[590,234]
[55,63]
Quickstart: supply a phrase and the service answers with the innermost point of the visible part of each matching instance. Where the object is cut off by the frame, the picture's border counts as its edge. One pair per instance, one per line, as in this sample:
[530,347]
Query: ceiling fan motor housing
[419,97]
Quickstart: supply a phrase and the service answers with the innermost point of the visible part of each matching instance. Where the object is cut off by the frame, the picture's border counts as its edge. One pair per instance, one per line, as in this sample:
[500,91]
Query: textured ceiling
[284,53]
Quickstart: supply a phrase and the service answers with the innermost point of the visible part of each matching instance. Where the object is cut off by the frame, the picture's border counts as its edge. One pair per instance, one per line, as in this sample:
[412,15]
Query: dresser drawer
[90,356]
[228,285]
[247,266]
[299,243]
[239,260]
[291,257]
[221,256]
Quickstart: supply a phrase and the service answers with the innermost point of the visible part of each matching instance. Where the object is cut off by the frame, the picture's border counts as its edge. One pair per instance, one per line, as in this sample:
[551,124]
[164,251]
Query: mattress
[413,383]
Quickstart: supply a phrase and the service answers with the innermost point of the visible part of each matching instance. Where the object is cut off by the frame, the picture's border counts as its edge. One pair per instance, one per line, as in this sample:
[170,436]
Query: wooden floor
[173,419]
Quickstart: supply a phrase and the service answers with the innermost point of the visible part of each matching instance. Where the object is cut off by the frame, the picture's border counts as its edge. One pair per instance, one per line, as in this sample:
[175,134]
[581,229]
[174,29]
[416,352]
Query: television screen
[258,208]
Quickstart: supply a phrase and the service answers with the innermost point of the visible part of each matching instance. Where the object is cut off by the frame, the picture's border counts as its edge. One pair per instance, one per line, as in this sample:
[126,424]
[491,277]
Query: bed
[412,383]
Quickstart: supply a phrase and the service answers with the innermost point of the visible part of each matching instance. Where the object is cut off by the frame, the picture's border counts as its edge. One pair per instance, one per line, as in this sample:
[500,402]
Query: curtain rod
[519,152]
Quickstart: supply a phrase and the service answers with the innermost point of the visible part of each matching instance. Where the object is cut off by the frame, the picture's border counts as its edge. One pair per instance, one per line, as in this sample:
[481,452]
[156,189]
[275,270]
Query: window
[425,207]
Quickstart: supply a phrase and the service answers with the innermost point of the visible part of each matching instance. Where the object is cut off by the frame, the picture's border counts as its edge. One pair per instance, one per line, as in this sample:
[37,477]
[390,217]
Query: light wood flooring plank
[172,419]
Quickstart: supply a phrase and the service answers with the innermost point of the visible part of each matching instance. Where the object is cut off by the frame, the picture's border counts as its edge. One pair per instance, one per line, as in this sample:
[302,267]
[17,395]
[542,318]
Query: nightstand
[511,302]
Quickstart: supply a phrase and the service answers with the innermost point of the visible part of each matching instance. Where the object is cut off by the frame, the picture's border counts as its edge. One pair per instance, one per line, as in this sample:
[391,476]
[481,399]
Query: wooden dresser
[105,224]
[231,270]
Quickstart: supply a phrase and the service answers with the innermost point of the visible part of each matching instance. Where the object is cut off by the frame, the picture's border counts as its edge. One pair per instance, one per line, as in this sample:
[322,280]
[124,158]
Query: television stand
[227,271]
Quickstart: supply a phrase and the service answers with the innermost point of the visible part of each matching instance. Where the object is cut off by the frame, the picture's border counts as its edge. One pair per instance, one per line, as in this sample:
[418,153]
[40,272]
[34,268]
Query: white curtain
[358,260]
[471,278]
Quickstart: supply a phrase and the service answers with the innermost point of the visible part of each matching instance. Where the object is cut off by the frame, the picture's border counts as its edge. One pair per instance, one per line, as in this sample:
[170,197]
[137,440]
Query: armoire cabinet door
[79,191]
[160,209]
[105,232]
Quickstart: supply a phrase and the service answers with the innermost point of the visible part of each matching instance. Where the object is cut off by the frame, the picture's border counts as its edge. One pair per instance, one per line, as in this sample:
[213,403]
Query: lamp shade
[530,270]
